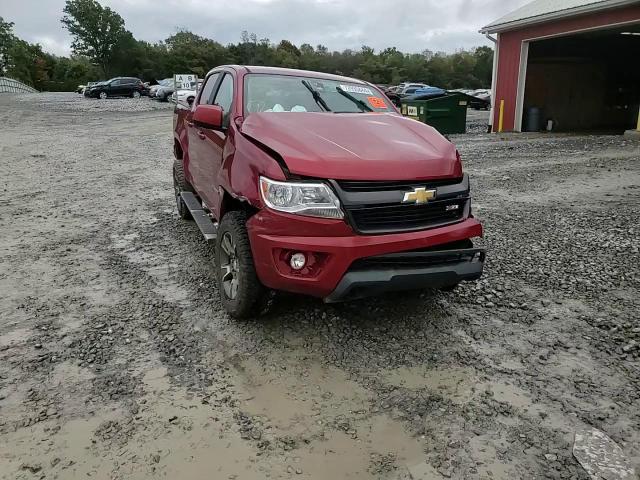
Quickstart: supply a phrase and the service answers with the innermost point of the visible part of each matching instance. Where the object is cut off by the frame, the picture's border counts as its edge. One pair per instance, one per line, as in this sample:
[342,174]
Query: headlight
[312,199]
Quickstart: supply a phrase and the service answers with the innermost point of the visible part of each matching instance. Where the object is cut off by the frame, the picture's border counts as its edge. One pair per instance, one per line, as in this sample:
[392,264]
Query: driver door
[197,164]
[212,142]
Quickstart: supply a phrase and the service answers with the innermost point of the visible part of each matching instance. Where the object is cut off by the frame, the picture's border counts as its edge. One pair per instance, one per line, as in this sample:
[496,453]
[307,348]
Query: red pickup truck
[315,184]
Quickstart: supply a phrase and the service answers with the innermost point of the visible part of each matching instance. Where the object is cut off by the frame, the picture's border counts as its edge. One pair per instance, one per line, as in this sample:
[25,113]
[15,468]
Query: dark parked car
[153,89]
[165,91]
[87,90]
[119,87]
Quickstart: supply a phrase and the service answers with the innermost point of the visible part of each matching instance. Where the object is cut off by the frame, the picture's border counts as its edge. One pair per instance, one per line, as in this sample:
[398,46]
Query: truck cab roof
[244,69]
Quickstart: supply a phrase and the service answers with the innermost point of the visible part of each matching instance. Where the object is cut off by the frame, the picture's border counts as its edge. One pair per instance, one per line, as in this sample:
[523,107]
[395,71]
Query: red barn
[570,65]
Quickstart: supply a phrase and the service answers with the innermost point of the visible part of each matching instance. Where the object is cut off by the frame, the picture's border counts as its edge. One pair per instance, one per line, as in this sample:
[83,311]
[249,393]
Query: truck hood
[359,146]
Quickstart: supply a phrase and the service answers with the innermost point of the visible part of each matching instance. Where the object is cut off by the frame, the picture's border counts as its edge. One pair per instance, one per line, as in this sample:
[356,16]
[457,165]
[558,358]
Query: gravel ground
[477,121]
[117,361]
[67,102]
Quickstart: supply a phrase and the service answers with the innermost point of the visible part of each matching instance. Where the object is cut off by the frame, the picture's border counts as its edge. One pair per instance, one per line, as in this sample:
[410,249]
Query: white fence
[9,85]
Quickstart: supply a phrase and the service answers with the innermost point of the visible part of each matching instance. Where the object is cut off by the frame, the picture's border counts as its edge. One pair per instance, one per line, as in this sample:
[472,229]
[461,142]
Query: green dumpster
[447,113]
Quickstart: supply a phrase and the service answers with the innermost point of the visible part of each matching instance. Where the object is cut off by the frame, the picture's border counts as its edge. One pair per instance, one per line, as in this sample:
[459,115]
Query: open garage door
[583,82]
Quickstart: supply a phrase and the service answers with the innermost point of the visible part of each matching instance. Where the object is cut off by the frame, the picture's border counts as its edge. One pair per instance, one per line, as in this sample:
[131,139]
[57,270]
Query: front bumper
[338,248]
[402,271]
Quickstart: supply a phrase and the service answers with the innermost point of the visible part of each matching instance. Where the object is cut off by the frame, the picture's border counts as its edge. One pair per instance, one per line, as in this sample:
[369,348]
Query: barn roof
[546,10]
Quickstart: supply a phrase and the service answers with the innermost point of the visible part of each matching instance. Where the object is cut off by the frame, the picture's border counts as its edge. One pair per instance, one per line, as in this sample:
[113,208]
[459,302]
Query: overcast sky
[409,25]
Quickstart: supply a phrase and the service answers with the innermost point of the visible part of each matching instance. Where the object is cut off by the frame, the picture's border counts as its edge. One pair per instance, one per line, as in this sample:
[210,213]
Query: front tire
[135,94]
[241,292]
[102,95]
[180,185]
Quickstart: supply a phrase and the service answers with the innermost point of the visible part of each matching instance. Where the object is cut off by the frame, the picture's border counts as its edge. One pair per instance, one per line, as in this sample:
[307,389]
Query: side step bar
[203,220]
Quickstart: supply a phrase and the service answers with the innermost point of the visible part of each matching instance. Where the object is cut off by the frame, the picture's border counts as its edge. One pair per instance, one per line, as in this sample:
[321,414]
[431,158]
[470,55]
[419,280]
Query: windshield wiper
[316,96]
[363,106]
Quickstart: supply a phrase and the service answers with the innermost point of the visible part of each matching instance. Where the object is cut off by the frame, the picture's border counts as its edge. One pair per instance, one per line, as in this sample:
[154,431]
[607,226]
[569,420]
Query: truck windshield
[287,93]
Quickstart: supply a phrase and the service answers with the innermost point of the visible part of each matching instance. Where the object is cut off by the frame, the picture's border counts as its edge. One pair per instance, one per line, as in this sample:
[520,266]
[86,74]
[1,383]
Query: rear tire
[241,292]
[180,184]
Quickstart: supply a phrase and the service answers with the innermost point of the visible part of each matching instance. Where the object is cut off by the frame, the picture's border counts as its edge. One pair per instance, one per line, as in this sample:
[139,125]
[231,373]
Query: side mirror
[208,116]
[190,101]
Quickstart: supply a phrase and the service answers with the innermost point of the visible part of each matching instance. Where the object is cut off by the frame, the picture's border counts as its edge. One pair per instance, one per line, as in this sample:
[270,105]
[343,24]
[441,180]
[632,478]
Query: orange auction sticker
[377,102]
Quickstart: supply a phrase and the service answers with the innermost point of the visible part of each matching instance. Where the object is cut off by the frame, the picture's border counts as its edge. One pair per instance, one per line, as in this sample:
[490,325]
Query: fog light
[298,261]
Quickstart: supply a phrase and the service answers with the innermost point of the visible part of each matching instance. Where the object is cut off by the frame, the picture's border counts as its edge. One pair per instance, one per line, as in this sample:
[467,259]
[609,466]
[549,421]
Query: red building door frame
[512,51]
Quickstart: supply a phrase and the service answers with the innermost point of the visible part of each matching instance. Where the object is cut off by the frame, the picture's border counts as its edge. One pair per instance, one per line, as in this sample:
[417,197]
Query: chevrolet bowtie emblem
[419,195]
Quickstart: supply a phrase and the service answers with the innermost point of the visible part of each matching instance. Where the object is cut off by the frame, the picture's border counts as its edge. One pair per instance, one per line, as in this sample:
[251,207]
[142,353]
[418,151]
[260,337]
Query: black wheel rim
[229,266]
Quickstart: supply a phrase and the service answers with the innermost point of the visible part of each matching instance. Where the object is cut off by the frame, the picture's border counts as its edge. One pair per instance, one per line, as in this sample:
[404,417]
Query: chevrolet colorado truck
[315,184]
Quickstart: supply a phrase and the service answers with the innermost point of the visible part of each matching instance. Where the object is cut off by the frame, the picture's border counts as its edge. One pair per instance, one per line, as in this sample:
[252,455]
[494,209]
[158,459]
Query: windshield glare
[285,93]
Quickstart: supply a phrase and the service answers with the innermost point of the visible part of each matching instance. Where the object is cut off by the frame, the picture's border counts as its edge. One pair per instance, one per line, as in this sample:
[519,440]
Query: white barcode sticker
[356,89]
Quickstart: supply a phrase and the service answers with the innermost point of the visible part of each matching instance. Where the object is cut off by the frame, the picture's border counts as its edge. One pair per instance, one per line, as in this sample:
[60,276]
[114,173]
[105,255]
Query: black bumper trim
[372,281]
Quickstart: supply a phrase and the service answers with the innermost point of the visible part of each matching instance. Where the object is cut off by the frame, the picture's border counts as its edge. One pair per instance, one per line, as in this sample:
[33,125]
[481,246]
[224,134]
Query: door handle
[201,135]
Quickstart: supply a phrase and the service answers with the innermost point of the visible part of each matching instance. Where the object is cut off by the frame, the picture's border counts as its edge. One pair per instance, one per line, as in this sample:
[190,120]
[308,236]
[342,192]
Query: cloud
[409,25]
[53,45]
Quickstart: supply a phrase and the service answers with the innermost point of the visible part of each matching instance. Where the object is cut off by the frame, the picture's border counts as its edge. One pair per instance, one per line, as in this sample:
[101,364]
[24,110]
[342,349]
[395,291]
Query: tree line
[102,48]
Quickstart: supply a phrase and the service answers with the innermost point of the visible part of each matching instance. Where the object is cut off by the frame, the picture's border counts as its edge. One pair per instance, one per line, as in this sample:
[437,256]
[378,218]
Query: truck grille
[376,207]
[387,218]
